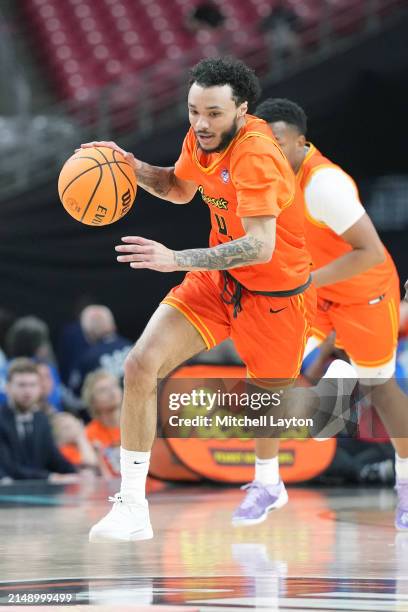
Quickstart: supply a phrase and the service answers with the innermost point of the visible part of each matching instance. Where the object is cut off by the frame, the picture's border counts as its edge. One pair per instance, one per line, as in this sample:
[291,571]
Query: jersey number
[222,226]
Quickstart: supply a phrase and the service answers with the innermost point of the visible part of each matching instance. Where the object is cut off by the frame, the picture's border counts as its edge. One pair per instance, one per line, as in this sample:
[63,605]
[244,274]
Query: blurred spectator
[103,395]
[361,461]
[401,373]
[65,400]
[205,23]
[108,350]
[25,433]
[205,15]
[7,318]
[30,337]
[71,439]
[72,342]
[47,385]
[280,27]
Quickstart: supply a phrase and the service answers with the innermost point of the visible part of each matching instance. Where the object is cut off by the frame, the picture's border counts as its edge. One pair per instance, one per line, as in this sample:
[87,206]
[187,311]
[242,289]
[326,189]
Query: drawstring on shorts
[229,297]
[234,297]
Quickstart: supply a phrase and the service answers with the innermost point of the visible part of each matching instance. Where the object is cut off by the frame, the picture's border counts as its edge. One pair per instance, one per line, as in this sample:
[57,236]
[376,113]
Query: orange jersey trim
[237,139]
[312,150]
[313,220]
[379,362]
[193,318]
[211,168]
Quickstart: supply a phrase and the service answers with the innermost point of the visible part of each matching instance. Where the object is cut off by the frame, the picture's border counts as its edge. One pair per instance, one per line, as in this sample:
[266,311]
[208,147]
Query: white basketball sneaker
[128,521]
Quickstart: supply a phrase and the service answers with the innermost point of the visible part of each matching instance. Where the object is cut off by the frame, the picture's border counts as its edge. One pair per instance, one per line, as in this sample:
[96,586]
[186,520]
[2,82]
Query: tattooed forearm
[244,251]
[157,181]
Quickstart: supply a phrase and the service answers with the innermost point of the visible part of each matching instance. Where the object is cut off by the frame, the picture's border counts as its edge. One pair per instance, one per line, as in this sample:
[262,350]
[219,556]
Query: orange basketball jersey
[251,178]
[325,246]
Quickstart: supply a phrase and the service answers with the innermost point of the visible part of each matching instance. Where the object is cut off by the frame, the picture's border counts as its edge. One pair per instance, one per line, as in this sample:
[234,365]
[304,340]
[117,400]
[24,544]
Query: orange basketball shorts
[368,332]
[269,333]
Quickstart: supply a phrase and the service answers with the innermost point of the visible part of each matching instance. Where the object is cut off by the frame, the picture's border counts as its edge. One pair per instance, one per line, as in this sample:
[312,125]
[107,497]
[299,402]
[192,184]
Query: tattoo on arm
[241,252]
[157,181]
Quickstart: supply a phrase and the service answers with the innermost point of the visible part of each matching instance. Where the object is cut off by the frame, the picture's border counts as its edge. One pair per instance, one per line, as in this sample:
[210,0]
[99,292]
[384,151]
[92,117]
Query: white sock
[401,467]
[267,471]
[134,466]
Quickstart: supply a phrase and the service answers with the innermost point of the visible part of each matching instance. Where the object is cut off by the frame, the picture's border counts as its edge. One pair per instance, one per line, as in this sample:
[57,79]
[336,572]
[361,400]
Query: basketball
[97,186]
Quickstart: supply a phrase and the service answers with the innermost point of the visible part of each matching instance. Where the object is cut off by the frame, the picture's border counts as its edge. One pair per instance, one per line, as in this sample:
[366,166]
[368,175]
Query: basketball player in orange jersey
[252,284]
[356,279]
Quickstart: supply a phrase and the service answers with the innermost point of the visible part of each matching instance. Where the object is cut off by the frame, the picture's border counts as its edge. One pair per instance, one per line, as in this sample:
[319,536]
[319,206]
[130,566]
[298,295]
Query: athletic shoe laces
[255,491]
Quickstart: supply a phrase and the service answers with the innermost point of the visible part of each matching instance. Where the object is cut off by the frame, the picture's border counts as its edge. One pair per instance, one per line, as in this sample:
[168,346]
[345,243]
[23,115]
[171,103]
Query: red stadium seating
[87,44]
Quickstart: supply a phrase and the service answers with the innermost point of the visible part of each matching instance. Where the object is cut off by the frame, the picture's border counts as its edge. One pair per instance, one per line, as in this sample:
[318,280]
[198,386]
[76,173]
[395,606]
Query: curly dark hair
[215,71]
[282,109]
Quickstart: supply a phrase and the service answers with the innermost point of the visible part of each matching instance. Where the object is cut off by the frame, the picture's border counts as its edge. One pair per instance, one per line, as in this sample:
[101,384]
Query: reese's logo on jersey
[217,202]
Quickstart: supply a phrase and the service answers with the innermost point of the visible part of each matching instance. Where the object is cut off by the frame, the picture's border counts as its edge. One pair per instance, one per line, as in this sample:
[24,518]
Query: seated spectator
[103,396]
[108,349]
[360,461]
[71,342]
[30,337]
[66,401]
[28,447]
[46,385]
[281,26]
[71,439]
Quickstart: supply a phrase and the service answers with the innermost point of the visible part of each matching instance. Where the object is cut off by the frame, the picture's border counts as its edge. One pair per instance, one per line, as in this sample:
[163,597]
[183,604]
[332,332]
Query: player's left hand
[143,253]
[406,291]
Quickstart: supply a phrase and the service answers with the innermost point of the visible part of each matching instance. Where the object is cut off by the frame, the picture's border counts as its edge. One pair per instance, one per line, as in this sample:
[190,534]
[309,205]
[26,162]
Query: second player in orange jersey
[358,285]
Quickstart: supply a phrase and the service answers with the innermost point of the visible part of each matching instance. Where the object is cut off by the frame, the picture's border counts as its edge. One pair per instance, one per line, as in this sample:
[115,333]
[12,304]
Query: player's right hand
[110,145]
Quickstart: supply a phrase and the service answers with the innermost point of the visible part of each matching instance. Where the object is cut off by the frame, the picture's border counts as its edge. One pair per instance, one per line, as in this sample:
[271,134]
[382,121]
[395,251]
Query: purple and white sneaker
[259,500]
[401,513]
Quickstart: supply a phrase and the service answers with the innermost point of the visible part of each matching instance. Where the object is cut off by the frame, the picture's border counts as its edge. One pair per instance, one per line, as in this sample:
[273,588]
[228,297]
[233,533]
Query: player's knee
[141,365]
